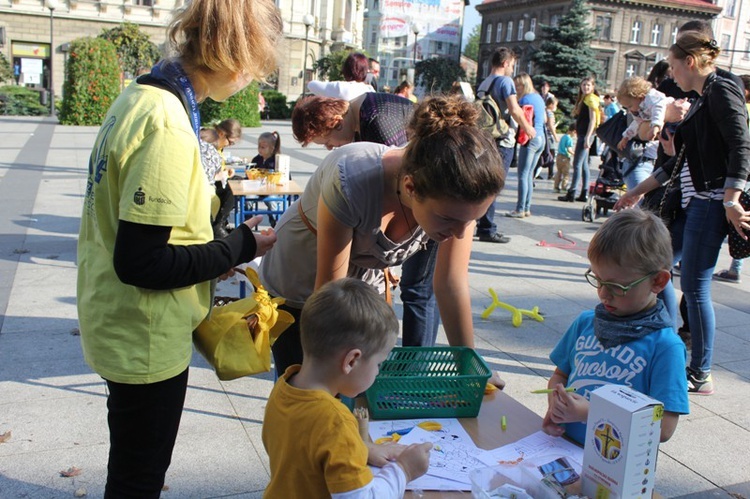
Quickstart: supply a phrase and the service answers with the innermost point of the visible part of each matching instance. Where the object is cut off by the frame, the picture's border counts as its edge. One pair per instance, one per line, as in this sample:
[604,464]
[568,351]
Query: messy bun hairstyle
[448,155]
[696,44]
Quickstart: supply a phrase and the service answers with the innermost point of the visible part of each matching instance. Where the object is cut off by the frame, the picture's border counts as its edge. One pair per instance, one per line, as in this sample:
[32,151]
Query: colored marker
[504,423]
[550,390]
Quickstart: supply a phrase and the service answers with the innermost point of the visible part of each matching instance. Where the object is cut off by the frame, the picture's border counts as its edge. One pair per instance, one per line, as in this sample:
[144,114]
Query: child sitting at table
[312,438]
[269,145]
[628,339]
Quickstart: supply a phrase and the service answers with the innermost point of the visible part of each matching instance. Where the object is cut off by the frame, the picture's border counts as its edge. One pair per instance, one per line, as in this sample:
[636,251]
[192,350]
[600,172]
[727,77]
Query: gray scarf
[612,330]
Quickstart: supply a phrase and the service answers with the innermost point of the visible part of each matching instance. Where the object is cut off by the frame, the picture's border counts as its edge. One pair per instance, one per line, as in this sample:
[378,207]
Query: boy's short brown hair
[346,314]
[635,239]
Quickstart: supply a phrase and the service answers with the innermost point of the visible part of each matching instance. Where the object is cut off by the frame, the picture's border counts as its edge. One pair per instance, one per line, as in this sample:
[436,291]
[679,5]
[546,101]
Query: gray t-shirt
[350,183]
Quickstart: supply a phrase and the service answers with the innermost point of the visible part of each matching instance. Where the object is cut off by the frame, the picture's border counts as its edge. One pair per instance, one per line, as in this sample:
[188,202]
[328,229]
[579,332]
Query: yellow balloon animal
[516,313]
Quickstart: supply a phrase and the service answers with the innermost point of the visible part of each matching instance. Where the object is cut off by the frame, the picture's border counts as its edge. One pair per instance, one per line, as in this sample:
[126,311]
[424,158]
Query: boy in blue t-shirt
[628,339]
[565,152]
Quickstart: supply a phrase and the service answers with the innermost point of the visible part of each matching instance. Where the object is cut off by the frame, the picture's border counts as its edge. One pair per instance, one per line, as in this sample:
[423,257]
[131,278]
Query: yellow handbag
[236,338]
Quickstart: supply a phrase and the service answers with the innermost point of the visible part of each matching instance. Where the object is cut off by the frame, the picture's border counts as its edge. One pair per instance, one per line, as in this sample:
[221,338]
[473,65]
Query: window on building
[635,32]
[730,7]
[604,64]
[375,5]
[499,33]
[604,27]
[439,47]
[509,31]
[633,68]
[675,28]
[488,34]
[485,68]
[374,36]
[656,35]
[746,55]
[532,25]
[145,3]
[726,42]
[519,37]
[554,20]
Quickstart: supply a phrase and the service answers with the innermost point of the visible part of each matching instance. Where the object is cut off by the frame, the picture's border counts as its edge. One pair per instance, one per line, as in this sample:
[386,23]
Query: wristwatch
[729,204]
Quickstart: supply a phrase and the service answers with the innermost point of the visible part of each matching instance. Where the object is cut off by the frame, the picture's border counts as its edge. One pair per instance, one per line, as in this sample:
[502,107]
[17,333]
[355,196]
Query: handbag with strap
[669,195]
[740,248]
[610,132]
[236,337]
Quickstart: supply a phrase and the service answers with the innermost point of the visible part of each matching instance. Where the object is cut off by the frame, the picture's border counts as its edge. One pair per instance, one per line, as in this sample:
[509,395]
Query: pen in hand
[550,390]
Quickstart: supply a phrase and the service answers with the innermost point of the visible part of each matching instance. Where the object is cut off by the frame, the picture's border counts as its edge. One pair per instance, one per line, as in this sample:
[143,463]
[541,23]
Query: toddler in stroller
[605,191]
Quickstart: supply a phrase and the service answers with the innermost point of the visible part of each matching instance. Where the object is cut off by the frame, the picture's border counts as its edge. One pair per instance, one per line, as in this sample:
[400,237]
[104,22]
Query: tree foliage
[437,74]
[242,106]
[565,56]
[278,107]
[92,82]
[329,67]
[471,49]
[6,70]
[135,50]
[18,100]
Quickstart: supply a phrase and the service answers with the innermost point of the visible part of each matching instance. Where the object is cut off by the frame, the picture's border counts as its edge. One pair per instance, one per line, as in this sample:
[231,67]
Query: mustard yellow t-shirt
[145,168]
[313,443]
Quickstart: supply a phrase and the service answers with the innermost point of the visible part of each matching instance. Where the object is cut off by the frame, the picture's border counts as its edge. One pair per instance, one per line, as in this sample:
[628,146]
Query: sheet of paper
[534,447]
[452,456]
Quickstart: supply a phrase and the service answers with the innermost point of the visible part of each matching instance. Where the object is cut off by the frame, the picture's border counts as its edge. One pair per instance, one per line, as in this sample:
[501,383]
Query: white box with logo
[622,443]
[283,166]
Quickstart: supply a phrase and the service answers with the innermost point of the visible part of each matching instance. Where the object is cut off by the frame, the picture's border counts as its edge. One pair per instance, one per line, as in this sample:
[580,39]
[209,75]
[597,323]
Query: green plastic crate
[429,382]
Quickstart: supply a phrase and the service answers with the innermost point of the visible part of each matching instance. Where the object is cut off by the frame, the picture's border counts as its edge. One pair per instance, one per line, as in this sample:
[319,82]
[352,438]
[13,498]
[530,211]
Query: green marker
[503,423]
[550,390]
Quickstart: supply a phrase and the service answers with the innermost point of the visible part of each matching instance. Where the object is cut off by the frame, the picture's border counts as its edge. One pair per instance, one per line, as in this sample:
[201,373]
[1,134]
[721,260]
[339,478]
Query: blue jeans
[580,167]
[528,157]
[421,315]
[486,225]
[636,172]
[697,235]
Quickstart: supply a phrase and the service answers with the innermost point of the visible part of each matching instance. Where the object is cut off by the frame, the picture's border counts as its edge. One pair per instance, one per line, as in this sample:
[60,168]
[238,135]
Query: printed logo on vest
[139,197]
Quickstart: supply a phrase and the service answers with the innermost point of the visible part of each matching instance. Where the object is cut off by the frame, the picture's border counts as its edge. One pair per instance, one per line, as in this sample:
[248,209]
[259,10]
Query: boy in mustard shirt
[311,437]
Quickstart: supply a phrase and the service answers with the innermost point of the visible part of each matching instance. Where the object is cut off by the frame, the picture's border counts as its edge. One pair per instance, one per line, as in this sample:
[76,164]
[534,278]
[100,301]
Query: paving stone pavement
[54,405]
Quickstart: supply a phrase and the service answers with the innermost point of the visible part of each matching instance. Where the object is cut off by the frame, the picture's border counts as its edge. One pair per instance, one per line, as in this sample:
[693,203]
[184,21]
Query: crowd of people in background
[406,183]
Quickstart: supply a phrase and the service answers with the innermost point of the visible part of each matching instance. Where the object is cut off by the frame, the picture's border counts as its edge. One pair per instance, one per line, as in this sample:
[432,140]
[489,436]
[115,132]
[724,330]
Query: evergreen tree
[471,49]
[565,56]
[437,74]
[135,50]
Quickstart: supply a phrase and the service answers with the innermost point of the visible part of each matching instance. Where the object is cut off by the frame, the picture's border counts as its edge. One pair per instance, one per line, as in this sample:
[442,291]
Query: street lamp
[51,5]
[415,30]
[529,38]
[308,20]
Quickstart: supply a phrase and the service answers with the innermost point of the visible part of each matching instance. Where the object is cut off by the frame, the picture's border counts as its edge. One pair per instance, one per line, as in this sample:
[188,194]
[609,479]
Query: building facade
[26,26]
[629,36]
[399,33]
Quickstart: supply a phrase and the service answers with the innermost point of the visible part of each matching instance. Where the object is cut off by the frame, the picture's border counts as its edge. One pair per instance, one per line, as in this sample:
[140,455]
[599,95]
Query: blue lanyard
[171,74]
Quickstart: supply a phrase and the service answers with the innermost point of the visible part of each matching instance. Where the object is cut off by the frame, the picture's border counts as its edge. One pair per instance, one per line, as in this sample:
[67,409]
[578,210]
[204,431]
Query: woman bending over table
[369,207]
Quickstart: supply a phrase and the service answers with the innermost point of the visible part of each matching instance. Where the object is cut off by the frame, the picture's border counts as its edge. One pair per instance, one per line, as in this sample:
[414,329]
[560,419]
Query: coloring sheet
[531,449]
[452,457]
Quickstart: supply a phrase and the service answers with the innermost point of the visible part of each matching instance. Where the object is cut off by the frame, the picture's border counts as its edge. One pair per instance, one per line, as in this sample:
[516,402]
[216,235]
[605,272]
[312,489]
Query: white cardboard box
[283,166]
[622,442]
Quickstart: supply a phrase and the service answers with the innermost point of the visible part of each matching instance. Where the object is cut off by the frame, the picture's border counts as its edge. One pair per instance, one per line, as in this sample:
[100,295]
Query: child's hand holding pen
[567,407]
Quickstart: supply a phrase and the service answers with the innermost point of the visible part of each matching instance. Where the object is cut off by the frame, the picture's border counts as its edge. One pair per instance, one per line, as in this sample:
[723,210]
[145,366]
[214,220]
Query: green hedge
[92,82]
[242,106]
[17,100]
[277,105]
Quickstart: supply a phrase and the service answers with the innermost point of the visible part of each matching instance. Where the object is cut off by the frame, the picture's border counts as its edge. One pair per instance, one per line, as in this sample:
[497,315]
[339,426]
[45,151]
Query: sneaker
[514,214]
[494,238]
[699,383]
[526,214]
[684,335]
[582,198]
[569,197]
[727,276]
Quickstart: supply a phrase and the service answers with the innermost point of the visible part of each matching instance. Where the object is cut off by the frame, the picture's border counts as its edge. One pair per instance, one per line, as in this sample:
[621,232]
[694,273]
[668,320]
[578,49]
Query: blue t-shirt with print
[540,112]
[653,365]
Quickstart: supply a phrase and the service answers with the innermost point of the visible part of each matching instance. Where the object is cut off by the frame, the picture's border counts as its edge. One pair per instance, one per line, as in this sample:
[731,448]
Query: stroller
[605,191]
